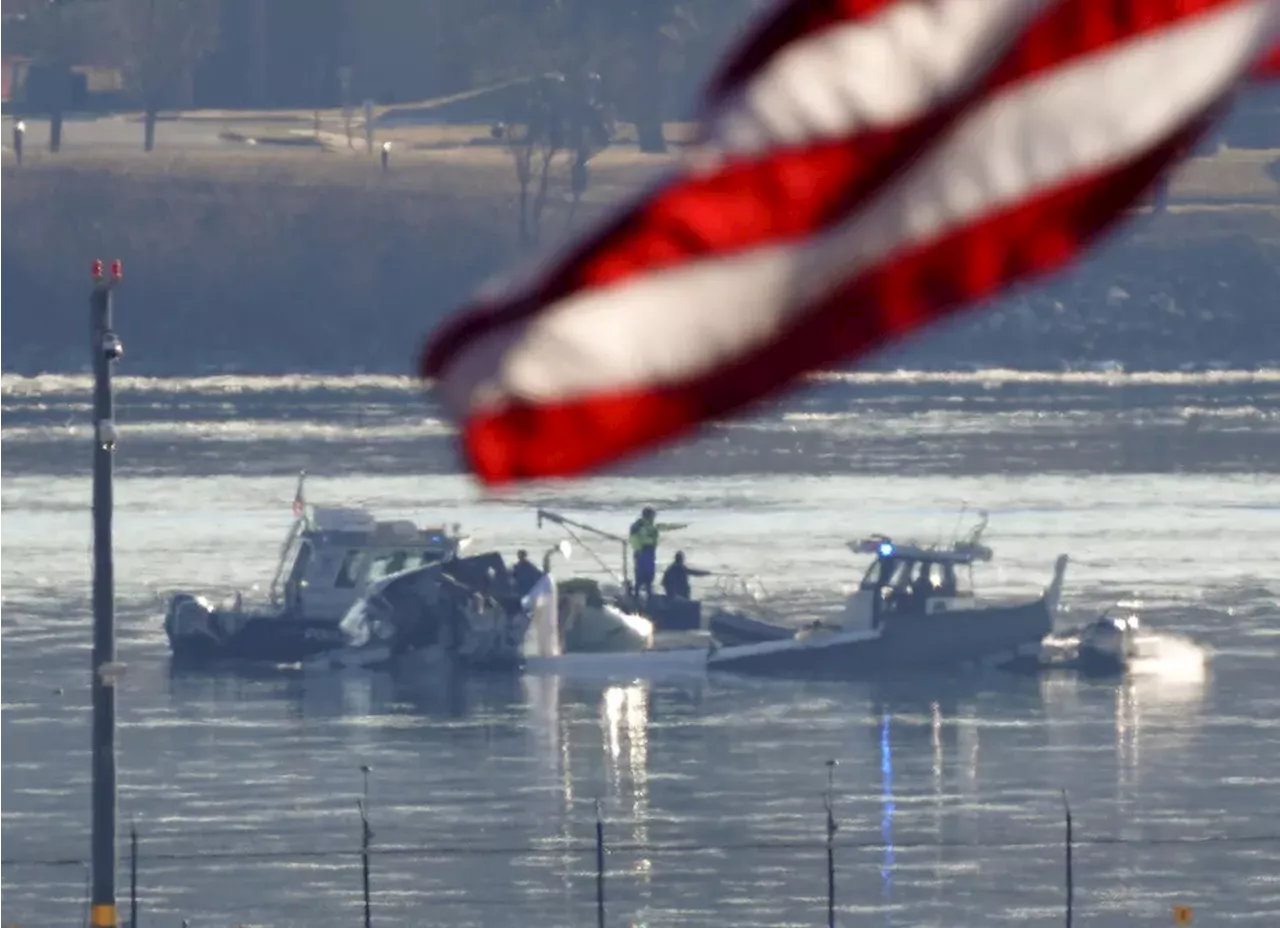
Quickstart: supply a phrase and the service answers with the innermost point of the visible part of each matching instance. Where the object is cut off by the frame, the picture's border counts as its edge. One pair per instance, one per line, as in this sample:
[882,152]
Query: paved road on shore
[118,132]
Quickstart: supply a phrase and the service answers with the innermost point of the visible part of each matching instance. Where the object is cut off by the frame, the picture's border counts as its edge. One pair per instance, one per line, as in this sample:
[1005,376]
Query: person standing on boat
[675,579]
[524,573]
[644,547]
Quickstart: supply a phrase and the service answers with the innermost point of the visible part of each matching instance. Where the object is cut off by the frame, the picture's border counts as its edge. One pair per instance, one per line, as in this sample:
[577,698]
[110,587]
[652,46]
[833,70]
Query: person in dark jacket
[524,573]
[675,579]
[644,547]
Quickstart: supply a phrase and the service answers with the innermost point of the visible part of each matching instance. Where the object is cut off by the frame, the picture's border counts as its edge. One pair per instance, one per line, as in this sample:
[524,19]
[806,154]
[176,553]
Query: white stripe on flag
[677,323]
[885,71]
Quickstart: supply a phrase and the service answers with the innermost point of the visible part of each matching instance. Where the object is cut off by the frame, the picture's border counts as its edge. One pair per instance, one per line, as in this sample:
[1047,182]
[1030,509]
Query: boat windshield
[349,572]
[941,577]
[393,562]
[886,571]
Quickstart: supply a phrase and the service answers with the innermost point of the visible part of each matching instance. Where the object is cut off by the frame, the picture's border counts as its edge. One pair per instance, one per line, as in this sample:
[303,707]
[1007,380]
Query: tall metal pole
[366,838]
[133,876]
[1071,881]
[106,349]
[599,867]
[829,802]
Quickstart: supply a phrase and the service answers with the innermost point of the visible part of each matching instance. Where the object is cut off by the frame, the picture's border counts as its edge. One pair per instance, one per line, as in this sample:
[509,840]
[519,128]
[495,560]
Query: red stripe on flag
[1037,236]
[790,194]
[784,25]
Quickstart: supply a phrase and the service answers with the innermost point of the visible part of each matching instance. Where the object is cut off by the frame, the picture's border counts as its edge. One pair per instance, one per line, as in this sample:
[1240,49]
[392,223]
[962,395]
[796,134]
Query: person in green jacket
[644,547]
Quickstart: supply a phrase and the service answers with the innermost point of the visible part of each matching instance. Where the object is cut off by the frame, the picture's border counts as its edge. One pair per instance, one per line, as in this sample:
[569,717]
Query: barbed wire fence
[590,866]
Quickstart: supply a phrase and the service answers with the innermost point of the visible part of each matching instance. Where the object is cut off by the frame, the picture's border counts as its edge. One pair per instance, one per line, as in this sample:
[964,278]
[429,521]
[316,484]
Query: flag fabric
[865,167]
[299,496]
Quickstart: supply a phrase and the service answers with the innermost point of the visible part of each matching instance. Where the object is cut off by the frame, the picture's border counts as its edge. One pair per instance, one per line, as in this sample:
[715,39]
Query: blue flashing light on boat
[886,549]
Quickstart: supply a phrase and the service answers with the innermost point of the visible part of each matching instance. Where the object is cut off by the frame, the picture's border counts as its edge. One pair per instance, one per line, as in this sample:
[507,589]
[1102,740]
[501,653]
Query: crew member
[524,573]
[644,547]
[675,579]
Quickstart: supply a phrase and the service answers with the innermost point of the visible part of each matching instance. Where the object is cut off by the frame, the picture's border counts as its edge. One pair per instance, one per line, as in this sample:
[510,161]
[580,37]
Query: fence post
[599,867]
[831,844]
[133,875]
[366,838]
[1071,889]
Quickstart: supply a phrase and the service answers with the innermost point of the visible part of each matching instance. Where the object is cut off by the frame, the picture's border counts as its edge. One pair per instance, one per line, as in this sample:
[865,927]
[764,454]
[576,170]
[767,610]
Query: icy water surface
[1162,488]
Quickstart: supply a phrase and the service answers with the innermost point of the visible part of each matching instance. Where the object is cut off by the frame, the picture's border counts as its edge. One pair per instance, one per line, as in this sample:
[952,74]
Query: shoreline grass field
[303,258]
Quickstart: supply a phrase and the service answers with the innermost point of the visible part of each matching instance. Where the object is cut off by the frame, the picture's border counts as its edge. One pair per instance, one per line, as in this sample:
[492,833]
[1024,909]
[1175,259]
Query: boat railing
[744,593]
[740,586]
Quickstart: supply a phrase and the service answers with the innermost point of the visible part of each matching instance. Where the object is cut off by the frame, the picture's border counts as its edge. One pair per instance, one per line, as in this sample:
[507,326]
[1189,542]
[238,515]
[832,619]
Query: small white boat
[1107,645]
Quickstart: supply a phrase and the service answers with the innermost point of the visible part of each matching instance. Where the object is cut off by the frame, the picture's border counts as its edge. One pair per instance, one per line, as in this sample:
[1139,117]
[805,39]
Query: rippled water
[1162,488]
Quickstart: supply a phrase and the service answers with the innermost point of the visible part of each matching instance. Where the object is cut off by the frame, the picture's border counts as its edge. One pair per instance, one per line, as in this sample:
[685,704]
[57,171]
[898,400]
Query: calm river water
[243,788]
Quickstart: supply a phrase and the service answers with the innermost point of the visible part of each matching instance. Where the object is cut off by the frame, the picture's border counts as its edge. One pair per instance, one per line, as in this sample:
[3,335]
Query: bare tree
[554,116]
[534,137]
[160,44]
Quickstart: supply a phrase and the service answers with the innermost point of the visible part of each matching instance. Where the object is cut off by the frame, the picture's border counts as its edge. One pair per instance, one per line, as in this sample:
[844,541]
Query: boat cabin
[919,579]
[332,554]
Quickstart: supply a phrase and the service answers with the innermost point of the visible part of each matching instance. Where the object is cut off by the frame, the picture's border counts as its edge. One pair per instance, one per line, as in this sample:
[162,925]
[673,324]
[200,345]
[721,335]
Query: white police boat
[329,558]
[915,610]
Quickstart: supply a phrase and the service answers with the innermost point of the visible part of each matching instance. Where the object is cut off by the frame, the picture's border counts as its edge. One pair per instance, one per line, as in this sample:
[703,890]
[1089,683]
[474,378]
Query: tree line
[645,54]
[156,45]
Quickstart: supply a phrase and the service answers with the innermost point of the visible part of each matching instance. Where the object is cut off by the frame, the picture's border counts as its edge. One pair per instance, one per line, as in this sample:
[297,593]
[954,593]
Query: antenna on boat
[569,525]
[981,527]
[106,349]
[955,535]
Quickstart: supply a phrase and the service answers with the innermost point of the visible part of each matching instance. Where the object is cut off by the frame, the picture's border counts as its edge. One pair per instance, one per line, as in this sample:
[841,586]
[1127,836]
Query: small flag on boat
[299,497]
[865,167]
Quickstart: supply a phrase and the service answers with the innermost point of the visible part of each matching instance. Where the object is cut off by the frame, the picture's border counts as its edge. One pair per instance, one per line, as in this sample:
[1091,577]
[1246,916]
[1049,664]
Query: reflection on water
[625,717]
[950,795]
[935,740]
[887,807]
[967,741]
[1128,743]
[1156,710]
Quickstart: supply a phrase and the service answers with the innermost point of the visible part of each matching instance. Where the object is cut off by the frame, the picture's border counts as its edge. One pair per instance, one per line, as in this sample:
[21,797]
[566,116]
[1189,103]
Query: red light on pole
[115,269]
[96,269]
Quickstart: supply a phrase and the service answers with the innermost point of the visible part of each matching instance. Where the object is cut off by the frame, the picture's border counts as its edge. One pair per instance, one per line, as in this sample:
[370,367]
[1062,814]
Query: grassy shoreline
[311,260]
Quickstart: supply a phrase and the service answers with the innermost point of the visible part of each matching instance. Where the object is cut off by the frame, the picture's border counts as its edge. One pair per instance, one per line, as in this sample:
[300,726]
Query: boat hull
[732,628]
[907,645]
[199,634]
[1106,647]
[1093,663]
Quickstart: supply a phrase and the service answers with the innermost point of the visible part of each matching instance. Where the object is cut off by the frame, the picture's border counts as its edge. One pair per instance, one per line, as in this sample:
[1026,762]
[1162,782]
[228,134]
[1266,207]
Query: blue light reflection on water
[886,816]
